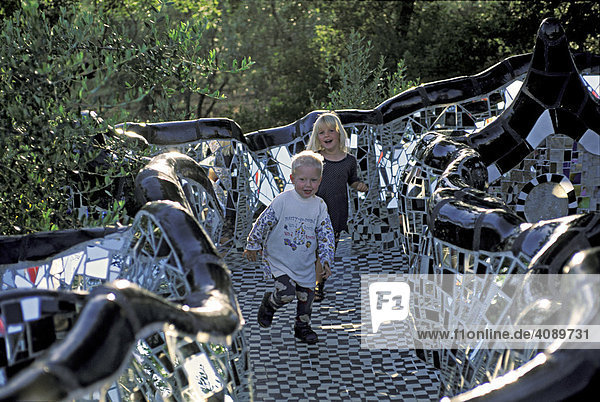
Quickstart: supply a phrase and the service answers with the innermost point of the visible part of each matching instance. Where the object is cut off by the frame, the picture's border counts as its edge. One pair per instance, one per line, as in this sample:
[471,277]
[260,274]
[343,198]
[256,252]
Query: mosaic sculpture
[455,169]
[467,230]
[217,145]
[556,373]
[153,308]
[391,143]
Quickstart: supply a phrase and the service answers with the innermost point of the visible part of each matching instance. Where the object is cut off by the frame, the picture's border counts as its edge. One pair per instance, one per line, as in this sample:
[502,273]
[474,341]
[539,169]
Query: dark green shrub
[56,64]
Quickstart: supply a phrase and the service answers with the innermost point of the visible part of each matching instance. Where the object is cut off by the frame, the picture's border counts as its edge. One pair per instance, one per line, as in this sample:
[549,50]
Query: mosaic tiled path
[336,368]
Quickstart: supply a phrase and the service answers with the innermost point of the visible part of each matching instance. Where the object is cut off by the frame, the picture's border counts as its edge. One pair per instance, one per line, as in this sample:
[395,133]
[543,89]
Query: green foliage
[354,84]
[280,36]
[56,63]
[296,43]
[579,19]
[8,8]
[384,23]
[149,60]
[446,39]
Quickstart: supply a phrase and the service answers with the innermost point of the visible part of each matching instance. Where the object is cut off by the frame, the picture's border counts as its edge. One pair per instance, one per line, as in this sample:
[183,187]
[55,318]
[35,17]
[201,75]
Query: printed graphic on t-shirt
[298,232]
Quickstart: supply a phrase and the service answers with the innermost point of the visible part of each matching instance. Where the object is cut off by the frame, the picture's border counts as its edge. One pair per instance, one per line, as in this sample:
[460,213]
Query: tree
[57,63]
[294,44]
[579,19]
[355,84]
[385,24]
[280,36]
[454,38]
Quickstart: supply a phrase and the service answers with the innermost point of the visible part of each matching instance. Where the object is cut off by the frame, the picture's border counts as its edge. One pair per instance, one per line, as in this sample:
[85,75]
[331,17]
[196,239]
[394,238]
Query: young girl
[339,170]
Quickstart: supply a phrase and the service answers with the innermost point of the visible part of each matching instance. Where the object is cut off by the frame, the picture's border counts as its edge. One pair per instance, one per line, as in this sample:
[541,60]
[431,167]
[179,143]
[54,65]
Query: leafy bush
[53,68]
[354,84]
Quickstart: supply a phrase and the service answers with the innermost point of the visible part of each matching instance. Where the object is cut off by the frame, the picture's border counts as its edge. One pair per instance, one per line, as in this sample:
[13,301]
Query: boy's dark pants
[285,291]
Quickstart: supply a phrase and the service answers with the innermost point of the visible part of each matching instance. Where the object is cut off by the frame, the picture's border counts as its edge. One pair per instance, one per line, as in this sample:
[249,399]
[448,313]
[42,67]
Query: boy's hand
[325,272]
[251,254]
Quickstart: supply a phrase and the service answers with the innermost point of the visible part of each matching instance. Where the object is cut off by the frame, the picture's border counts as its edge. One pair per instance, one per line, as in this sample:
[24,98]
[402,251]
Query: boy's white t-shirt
[293,227]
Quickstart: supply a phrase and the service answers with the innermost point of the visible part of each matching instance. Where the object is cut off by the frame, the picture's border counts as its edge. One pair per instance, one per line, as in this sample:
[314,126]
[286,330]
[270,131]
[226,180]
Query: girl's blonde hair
[307,158]
[327,120]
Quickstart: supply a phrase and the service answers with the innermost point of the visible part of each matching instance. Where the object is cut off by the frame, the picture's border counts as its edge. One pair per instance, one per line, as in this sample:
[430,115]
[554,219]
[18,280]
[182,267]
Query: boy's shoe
[265,312]
[305,334]
[319,292]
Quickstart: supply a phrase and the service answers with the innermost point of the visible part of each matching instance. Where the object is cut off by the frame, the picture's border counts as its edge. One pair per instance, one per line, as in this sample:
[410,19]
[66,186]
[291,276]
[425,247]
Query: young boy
[289,231]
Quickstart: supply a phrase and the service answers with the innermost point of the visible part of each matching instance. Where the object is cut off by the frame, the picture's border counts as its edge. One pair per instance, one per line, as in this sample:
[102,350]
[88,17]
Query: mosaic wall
[123,278]
[539,214]
[574,170]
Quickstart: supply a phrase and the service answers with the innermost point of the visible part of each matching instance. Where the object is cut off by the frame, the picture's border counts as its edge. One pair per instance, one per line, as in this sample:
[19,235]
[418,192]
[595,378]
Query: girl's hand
[326,272]
[251,254]
[360,186]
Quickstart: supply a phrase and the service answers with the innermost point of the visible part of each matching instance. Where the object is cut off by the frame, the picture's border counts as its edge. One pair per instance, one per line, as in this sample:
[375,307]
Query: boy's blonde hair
[327,120]
[307,158]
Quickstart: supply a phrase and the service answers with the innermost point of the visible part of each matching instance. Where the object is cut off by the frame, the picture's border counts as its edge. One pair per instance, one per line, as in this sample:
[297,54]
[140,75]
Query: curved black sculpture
[114,316]
[41,245]
[203,267]
[179,132]
[460,211]
[553,99]
[558,374]
[462,214]
[445,92]
[98,346]
[160,179]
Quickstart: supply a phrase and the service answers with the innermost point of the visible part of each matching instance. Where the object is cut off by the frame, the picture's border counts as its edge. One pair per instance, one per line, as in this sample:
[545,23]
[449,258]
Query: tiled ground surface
[336,368]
